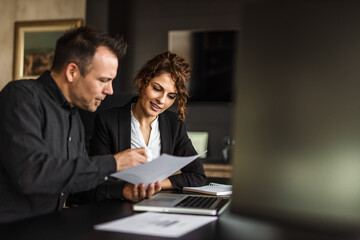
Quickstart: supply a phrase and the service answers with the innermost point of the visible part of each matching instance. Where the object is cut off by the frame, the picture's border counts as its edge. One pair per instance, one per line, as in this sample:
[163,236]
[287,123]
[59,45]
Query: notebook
[184,203]
[212,189]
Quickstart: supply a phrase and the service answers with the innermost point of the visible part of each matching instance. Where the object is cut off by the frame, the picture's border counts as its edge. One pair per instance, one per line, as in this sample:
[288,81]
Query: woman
[146,122]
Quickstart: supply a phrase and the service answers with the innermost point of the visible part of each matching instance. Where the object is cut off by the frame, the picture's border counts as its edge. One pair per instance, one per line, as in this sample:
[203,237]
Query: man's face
[88,91]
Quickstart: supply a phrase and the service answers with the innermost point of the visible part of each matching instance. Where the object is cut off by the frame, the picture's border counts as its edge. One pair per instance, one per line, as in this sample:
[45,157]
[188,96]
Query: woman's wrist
[166,184]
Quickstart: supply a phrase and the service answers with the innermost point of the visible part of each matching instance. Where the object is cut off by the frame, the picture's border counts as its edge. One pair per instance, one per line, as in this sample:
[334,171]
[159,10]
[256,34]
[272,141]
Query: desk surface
[77,223]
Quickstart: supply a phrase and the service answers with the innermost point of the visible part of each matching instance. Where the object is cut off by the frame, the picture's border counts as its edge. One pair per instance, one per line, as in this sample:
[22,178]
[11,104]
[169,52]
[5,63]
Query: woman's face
[158,96]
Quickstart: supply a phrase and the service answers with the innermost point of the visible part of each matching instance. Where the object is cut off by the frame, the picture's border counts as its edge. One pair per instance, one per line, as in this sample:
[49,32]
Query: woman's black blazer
[112,134]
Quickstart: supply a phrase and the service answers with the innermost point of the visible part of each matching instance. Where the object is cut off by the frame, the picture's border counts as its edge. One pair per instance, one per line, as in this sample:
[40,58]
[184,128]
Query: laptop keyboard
[196,202]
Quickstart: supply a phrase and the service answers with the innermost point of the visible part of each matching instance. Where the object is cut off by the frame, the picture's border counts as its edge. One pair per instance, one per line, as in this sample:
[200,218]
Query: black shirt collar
[53,90]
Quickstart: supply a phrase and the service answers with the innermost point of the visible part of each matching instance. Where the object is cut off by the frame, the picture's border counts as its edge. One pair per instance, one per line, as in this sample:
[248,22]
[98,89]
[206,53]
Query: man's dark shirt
[42,150]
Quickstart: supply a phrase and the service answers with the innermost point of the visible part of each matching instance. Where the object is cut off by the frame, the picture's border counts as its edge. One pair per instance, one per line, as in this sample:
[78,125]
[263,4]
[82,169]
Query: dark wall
[150,21]
[145,25]
[97,14]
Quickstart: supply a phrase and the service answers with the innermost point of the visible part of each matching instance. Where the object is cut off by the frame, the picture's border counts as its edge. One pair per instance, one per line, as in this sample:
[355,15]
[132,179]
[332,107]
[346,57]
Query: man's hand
[130,158]
[137,193]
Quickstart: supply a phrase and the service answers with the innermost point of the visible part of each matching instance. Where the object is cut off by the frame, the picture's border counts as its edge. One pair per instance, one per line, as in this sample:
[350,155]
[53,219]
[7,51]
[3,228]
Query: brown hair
[179,71]
[79,46]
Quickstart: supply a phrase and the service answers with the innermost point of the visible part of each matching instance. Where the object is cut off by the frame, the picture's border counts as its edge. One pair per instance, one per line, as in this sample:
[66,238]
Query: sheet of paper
[211,189]
[156,170]
[157,224]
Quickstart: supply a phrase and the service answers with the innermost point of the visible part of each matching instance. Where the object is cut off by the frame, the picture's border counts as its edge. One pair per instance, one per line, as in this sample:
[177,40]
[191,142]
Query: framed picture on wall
[35,44]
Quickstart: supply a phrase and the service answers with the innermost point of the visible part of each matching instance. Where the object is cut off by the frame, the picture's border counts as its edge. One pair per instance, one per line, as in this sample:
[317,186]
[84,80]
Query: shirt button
[106,178]
[69,139]
[62,194]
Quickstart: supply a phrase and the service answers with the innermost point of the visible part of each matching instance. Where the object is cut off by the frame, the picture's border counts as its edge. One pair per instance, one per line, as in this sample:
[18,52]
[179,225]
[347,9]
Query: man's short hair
[79,46]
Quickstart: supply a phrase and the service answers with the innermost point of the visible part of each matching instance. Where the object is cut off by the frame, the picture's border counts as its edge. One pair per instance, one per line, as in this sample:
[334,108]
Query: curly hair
[179,71]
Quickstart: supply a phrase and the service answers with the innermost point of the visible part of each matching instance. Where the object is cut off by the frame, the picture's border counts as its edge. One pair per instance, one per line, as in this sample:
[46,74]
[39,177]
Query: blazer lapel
[165,134]
[124,120]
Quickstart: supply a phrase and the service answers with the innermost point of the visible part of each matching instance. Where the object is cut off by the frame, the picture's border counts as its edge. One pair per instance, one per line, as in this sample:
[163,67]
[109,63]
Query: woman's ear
[140,87]
[140,83]
[72,71]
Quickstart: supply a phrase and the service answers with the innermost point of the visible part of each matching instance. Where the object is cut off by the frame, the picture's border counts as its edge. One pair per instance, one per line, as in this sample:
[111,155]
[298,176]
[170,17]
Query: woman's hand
[137,193]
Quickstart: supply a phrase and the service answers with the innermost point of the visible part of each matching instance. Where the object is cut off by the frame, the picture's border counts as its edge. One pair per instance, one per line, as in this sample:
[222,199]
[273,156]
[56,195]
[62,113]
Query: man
[42,156]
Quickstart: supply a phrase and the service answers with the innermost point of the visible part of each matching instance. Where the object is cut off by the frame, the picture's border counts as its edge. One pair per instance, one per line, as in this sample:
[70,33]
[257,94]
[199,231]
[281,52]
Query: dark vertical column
[121,22]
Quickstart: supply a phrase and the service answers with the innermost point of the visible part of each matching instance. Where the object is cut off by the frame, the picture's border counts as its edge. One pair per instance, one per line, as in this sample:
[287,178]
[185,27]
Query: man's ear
[72,71]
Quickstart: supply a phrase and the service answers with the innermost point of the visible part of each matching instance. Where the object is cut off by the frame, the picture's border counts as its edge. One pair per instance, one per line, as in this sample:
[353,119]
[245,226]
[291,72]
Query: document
[157,224]
[211,189]
[156,170]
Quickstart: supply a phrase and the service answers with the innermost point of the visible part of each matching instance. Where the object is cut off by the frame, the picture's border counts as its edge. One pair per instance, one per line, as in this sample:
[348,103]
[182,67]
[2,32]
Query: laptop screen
[297,113]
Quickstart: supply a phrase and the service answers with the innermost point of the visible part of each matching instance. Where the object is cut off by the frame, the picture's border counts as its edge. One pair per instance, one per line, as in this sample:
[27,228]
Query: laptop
[184,203]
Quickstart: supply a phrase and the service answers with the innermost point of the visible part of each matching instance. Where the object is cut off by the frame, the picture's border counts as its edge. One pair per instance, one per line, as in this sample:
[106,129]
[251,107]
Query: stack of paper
[212,189]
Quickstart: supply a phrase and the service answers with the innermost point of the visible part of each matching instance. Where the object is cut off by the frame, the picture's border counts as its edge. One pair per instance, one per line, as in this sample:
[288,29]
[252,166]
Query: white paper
[157,224]
[156,170]
[211,189]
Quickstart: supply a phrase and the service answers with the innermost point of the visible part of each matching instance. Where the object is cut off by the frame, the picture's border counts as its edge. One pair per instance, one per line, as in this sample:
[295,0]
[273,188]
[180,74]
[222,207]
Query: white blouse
[153,149]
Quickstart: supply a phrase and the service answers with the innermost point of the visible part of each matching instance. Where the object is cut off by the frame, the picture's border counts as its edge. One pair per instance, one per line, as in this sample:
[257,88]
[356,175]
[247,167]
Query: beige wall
[23,10]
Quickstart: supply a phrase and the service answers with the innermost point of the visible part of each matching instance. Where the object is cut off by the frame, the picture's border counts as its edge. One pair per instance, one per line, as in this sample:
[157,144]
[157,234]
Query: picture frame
[200,141]
[35,44]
